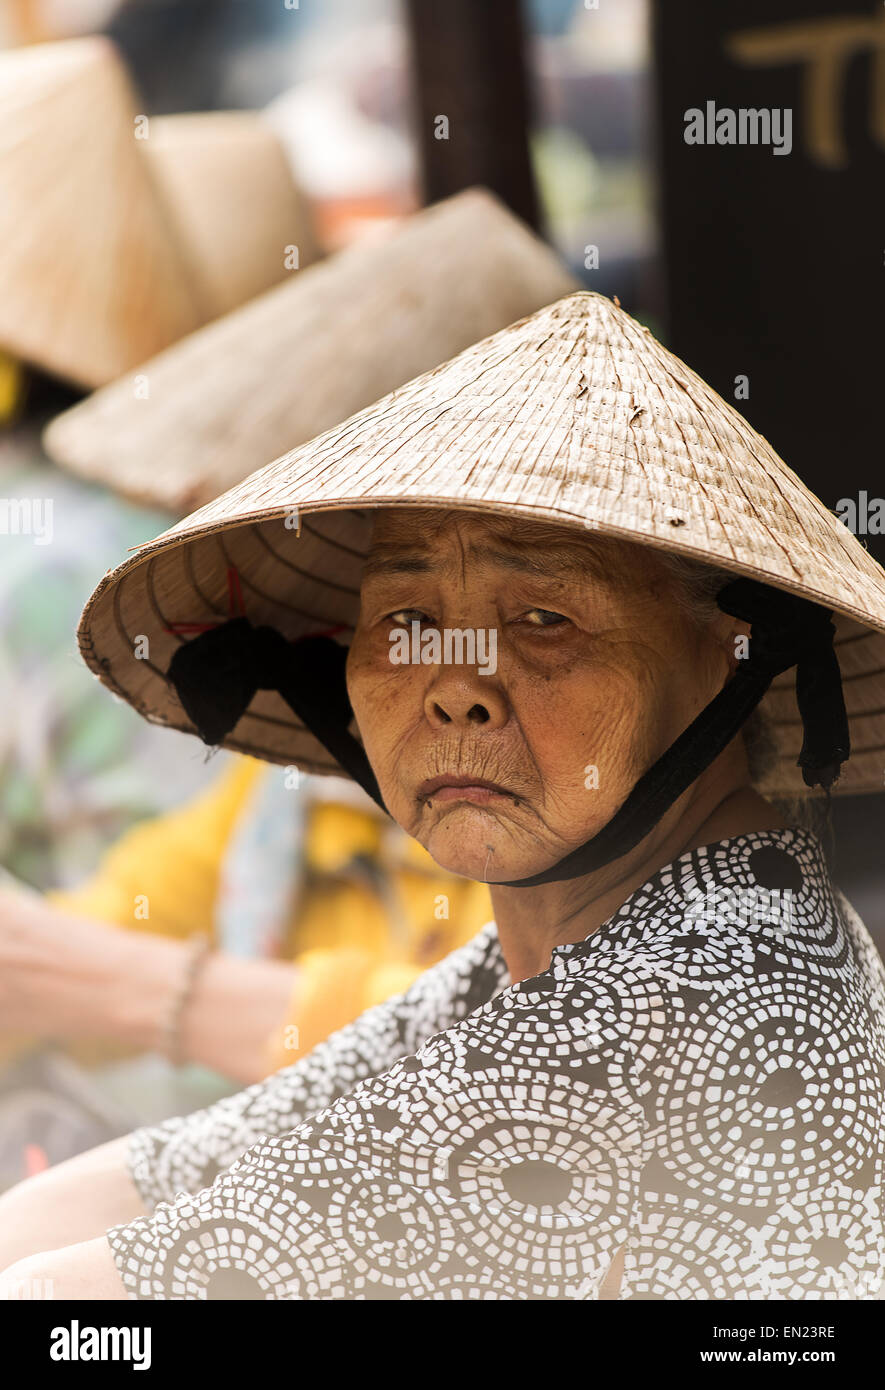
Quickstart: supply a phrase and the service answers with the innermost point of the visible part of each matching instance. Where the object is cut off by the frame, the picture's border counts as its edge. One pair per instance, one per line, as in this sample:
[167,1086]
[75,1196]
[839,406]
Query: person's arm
[502,1159]
[86,1195]
[75,1201]
[68,978]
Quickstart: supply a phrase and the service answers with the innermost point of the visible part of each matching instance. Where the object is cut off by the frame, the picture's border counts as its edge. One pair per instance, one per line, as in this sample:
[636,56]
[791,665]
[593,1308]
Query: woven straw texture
[232,198]
[575,414]
[92,279]
[308,354]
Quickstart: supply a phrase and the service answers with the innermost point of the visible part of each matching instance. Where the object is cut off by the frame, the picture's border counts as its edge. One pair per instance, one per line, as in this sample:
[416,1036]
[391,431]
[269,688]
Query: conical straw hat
[307,354]
[233,200]
[576,415]
[92,280]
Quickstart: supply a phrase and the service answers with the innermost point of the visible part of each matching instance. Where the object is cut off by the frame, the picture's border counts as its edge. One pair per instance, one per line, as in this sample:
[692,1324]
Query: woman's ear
[736,641]
[732,636]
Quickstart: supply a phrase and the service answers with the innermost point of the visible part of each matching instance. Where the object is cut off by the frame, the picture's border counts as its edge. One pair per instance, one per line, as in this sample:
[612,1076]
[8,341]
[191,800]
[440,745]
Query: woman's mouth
[457,787]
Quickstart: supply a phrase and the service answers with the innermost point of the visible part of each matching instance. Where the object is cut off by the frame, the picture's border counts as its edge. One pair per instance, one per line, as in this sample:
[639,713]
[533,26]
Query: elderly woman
[659,1071]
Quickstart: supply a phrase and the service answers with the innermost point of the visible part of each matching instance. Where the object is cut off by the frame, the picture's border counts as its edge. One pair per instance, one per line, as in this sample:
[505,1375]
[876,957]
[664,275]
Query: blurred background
[348,82]
[757,269]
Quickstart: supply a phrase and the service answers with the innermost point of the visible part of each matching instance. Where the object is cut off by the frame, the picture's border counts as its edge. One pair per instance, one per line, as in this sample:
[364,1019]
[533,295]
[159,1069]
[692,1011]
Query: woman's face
[585,669]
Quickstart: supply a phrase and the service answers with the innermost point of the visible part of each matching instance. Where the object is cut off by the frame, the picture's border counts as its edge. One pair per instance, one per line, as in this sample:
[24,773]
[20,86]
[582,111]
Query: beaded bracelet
[199,949]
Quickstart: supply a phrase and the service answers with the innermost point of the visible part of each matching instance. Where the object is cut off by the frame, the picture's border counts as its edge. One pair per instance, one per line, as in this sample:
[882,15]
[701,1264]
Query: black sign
[770,122]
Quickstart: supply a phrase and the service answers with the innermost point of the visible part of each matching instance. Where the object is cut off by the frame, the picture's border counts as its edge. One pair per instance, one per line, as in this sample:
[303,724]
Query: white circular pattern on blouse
[701,1081]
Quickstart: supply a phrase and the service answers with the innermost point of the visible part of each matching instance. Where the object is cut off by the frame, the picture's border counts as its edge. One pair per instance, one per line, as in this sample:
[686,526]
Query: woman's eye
[401,617]
[544,617]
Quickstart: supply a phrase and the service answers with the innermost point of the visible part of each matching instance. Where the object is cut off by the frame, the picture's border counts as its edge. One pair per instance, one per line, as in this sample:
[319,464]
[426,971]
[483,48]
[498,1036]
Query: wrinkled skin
[597,667]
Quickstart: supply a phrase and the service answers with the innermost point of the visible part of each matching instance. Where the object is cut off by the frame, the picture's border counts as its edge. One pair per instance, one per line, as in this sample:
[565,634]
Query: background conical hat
[577,415]
[92,280]
[307,354]
[231,195]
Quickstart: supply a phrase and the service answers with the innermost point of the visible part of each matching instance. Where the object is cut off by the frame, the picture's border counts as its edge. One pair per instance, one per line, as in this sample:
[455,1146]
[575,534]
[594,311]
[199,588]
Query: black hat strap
[217,674]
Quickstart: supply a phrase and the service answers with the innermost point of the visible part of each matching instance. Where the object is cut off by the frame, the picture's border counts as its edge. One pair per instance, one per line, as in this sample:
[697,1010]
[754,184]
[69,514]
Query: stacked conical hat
[307,354]
[575,415]
[233,201]
[92,279]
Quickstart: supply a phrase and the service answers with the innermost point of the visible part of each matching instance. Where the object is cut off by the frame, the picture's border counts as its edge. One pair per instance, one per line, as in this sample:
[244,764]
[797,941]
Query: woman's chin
[472,843]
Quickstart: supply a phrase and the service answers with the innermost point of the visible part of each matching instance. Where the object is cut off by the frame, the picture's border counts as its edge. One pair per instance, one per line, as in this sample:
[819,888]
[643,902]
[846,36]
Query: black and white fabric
[700,1081]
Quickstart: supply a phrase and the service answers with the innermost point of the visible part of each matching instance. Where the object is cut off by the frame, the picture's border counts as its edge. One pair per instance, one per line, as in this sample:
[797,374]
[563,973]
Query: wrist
[148,980]
[230,1013]
[199,955]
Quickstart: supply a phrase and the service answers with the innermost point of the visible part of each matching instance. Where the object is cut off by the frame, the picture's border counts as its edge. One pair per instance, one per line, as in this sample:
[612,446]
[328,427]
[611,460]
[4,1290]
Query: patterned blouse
[701,1081]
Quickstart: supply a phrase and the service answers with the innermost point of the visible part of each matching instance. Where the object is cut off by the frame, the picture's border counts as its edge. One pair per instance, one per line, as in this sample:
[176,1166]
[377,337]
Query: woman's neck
[531,921]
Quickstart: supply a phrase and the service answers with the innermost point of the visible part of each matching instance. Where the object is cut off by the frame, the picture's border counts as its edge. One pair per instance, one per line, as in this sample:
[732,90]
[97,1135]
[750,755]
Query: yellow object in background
[335,834]
[12,385]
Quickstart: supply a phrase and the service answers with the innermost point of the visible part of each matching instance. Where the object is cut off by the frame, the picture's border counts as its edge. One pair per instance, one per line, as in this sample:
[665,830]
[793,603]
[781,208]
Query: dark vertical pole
[472,99]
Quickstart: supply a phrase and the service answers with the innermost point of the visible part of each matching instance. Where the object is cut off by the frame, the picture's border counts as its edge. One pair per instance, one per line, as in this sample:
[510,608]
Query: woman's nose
[463,697]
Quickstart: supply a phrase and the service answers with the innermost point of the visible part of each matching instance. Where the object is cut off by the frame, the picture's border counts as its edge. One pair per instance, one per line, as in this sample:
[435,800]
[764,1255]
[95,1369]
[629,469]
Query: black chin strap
[217,674]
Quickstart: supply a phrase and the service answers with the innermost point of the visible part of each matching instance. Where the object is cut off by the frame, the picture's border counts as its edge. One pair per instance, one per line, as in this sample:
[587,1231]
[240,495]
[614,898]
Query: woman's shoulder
[753,918]
[772,884]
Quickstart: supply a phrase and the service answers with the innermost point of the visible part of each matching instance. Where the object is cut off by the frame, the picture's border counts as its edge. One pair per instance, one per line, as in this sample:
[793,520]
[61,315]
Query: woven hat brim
[693,479]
